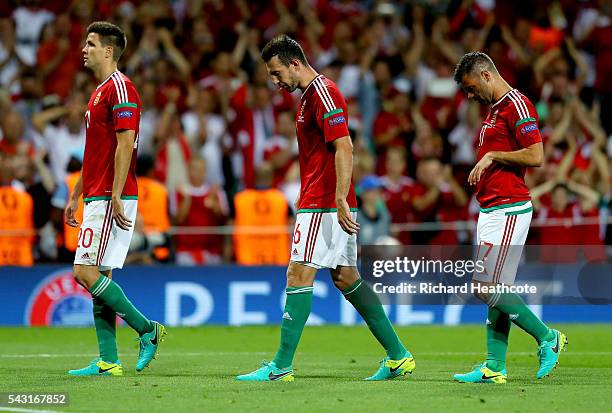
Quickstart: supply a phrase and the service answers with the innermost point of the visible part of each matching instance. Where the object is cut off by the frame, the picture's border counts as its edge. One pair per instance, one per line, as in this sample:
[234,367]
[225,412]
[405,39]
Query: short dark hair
[110,35]
[285,48]
[471,62]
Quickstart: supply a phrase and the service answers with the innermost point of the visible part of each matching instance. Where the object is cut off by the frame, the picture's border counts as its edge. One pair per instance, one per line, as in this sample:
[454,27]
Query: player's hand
[296,203]
[69,212]
[120,219]
[479,169]
[344,218]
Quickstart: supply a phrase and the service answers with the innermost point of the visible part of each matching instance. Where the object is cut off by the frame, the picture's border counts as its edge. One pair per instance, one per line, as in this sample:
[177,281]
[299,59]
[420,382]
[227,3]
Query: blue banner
[227,295]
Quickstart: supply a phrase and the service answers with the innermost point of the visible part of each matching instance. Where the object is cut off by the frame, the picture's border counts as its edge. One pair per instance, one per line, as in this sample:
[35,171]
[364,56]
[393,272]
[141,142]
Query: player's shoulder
[516,104]
[327,92]
[121,85]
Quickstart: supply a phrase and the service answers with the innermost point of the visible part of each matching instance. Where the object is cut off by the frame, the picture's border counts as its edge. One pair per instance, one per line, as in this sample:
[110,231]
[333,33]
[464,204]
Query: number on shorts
[86,236]
[487,250]
[297,235]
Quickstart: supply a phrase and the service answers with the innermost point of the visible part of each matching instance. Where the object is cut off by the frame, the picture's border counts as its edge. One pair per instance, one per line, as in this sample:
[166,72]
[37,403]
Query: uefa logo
[58,300]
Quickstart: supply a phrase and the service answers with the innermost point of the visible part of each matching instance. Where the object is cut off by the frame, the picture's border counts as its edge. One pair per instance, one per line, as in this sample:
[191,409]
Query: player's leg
[105,321]
[399,361]
[493,370]
[300,279]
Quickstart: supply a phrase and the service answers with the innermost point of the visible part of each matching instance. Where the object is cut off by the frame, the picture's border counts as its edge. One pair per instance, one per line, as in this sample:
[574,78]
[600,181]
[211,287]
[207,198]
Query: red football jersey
[512,124]
[321,118]
[112,107]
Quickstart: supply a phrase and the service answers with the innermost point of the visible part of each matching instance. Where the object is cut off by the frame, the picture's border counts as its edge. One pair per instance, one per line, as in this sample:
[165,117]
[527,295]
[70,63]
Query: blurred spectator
[397,191]
[63,131]
[30,19]
[13,141]
[10,62]
[68,236]
[174,151]
[153,211]
[206,131]
[198,205]
[373,217]
[59,57]
[16,218]
[260,225]
[437,199]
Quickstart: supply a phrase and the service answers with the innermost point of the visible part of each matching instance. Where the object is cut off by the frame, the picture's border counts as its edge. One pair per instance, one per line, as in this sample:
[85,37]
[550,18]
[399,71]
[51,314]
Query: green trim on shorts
[310,210]
[502,206]
[107,198]
[520,122]
[519,212]
[125,105]
[332,112]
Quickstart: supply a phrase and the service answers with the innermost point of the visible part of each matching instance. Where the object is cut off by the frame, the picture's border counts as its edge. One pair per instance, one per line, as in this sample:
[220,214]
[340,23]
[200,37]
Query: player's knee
[298,278]
[483,296]
[344,281]
[83,276]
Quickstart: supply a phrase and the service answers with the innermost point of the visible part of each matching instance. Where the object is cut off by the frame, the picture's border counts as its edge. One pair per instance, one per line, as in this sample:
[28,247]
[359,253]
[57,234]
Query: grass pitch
[196,366]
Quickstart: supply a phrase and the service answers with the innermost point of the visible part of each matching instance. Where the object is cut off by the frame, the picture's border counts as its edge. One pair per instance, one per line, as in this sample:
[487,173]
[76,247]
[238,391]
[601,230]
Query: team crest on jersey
[59,300]
[301,112]
[493,117]
[97,99]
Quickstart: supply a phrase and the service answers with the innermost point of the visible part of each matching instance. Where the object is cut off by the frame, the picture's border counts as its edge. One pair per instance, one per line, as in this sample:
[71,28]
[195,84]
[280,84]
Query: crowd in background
[217,147]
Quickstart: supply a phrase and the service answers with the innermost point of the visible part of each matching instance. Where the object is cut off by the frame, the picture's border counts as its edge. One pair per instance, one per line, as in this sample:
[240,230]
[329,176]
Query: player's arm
[123,158]
[589,198]
[344,170]
[73,204]
[533,155]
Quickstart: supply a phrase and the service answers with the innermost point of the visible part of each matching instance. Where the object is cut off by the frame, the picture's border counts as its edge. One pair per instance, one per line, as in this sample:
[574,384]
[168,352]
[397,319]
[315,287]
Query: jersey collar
[107,79]
[311,82]
[503,97]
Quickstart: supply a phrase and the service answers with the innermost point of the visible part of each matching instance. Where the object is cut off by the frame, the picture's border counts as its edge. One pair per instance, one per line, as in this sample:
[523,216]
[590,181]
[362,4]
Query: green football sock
[367,304]
[106,330]
[498,330]
[113,296]
[521,315]
[297,310]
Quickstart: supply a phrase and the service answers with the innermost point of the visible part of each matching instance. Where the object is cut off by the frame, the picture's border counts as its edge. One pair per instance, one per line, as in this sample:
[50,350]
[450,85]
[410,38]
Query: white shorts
[501,234]
[101,242]
[320,242]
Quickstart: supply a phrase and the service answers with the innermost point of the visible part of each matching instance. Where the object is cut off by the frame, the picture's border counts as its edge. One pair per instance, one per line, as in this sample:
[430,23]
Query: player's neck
[104,71]
[500,90]
[309,75]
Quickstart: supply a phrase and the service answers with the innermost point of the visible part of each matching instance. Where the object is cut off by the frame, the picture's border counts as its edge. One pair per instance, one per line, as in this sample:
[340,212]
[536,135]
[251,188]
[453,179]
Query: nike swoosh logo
[101,370]
[273,376]
[485,377]
[154,340]
[393,370]
[556,347]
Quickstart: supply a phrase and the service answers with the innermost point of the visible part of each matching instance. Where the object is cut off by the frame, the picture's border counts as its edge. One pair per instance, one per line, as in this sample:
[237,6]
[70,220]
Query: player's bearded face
[478,89]
[284,77]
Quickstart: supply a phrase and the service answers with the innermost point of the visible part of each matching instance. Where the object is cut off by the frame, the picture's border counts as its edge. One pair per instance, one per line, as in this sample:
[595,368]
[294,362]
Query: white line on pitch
[19,409]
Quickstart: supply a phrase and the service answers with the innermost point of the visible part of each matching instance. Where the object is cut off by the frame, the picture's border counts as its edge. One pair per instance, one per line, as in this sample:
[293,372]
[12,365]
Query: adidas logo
[295,251]
[286,316]
[513,316]
[85,256]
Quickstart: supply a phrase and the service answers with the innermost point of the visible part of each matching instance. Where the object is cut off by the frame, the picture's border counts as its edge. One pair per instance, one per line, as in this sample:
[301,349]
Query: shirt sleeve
[523,120]
[332,115]
[125,105]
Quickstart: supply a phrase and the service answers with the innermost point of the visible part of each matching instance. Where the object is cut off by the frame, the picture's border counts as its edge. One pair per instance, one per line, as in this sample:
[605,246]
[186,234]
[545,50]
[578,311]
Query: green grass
[194,371]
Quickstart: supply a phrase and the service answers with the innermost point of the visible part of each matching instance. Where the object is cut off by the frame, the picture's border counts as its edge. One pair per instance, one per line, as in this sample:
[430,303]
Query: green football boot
[268,372]
[548,353]
[149,343]
[390,369]
[99,367]
[482,374]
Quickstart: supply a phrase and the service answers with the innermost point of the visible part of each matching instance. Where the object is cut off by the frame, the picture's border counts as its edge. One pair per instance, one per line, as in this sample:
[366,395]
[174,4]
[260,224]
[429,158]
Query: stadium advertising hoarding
[233,295]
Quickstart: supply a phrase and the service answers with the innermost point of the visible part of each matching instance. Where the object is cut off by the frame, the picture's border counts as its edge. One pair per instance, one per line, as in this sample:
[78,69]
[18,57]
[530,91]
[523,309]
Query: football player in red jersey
[110,192]
[509,142]
[326,227]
